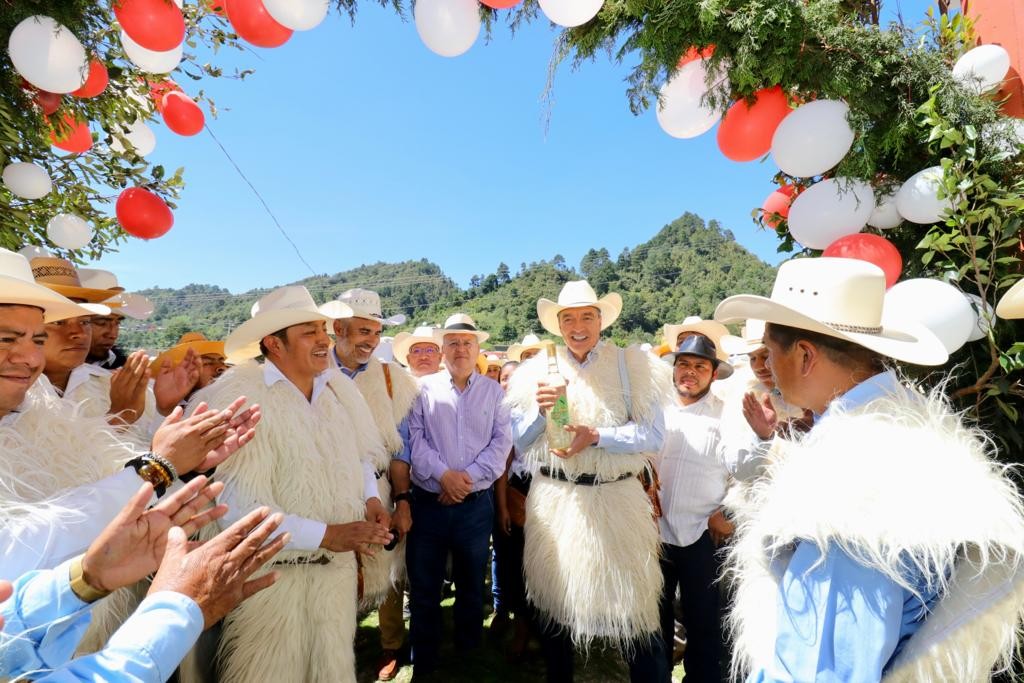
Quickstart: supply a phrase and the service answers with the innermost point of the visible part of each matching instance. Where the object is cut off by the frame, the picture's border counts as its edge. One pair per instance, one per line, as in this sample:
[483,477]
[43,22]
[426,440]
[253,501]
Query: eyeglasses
[423,351]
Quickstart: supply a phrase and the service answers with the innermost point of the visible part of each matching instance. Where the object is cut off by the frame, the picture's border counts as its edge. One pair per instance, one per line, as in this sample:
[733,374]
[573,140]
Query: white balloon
[27,180]
[983,68]
[34,251]
[937,305]
[681,111]
[813,138]
[570,13]
[298,15]
[68,231]
[918,200]
[985,314]
[885,216]
[48,55]
[140,136]
[447,27]
[151,61]
[829,210]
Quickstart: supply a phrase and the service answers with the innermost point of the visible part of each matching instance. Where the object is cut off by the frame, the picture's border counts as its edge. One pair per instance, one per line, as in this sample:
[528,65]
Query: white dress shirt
[694,466]
[307,534]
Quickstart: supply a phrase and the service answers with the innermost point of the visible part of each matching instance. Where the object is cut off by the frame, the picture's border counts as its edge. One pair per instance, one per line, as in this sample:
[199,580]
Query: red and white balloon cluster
[450,27]
[824,212]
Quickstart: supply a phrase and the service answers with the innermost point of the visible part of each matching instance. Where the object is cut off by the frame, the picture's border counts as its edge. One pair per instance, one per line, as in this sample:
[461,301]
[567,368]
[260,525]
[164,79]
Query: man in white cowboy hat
[65,475]
[886,536]
[389,391]
[460,440]
[312,459]
[526,349]
[694,468]
[125,394]
[710,330]
[591,555]
[418,351]
[106,329]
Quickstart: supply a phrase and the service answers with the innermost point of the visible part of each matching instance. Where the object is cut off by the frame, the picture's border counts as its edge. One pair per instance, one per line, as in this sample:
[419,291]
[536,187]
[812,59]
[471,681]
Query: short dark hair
[839,351]
[280,334]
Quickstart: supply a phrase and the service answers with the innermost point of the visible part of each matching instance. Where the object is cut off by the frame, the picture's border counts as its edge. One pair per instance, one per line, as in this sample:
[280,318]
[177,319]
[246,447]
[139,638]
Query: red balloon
[746,130]
[500,4]
[154,24]
[253,23]
[96,82]
[181,114]
[78,139]
[49,102]
[143,214]
[694,54]
[778,202]
[871,248]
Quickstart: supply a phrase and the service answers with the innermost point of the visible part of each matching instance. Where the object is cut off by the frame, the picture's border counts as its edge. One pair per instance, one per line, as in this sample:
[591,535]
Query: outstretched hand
[173,383]
[760,415]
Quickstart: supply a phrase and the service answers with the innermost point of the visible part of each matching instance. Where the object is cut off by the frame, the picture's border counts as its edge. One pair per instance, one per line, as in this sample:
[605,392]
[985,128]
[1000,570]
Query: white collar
[82,374]
[272,375]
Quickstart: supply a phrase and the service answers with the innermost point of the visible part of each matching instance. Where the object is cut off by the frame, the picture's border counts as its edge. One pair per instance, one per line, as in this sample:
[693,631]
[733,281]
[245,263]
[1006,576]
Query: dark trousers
[646,657]
[463,530]
[694,569]
[507,582]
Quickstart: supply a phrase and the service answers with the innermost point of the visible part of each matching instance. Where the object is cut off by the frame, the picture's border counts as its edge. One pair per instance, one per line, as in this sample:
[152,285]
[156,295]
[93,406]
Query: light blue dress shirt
[836,619]
[632,437]
[44,621]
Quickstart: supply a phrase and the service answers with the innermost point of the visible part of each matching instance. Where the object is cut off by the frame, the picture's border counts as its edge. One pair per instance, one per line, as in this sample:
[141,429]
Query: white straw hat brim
[610,306]
[16,291]
[908,342]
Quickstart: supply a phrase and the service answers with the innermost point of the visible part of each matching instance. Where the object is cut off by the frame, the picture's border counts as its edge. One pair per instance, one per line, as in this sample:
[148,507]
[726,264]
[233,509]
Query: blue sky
[368,147]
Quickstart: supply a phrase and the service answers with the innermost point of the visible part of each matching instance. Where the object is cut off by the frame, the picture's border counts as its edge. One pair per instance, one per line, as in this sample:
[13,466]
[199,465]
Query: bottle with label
[558,414]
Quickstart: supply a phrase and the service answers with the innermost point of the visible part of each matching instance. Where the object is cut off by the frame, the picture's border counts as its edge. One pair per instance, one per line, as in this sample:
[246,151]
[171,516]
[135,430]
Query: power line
[256,192]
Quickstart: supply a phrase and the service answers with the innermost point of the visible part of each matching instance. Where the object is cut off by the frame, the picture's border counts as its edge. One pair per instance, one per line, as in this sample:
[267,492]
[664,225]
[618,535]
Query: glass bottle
[558,414]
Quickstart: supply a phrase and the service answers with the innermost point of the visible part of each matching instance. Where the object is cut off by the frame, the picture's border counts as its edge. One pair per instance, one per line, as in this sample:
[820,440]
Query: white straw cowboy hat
[281,308]
[18,287]
[1011,306]
[841,298]
[578,294]
[61,276]
[530,341]
[134,306]
[359,303]
[424,334]
[707,328]
[750,338]
[459,323]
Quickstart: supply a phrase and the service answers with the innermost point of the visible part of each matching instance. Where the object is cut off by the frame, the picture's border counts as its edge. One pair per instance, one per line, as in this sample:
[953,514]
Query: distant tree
[503,274]
[558,262]
[624,258]
[489,284]
[507,333]
[474,282]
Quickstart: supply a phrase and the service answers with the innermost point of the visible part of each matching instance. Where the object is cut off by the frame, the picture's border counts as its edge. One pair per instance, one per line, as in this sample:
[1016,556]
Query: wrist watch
[151,471]
[81,587]
[399,497]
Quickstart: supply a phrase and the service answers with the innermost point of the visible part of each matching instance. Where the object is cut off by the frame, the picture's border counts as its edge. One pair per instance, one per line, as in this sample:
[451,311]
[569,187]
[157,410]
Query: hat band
[460,326]
[856,329]
[55,271]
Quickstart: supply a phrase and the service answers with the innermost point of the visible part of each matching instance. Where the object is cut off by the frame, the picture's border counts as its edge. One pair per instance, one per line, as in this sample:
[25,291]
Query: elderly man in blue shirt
[887,539]
[460,439]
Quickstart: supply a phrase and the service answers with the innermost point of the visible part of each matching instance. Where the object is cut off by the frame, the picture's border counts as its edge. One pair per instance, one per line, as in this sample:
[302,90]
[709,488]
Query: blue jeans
[464,530]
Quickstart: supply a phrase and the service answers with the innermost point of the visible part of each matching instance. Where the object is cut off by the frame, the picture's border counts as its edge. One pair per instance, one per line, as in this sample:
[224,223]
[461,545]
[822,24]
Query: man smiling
[591,550]
[312,460]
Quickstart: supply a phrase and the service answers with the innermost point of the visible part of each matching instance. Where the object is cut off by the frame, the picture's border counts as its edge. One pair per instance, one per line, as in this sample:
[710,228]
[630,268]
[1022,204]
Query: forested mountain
[686,269]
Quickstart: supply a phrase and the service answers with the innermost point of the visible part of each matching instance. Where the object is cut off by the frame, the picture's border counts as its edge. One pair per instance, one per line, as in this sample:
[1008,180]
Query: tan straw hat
[18,287]
[530,341]
[281,308]
[578,294]
[61,276]
[841,298]
[196,341]
[360,303]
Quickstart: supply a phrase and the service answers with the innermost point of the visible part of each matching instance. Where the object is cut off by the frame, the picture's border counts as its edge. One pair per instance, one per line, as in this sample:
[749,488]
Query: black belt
[379,475]
[421,494]
[520,483]
[319,559]
[583,479]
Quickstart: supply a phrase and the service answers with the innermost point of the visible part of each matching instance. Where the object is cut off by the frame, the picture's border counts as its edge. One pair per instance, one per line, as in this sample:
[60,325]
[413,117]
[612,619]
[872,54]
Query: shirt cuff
[163,629]
[307,534]
[370,489]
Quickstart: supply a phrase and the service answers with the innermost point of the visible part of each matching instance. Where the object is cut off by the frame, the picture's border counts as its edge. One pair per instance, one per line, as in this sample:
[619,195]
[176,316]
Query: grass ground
[489,664]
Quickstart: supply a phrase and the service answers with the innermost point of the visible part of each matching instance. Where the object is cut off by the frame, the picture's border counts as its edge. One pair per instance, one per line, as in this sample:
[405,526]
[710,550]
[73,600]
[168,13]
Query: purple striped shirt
[465,431]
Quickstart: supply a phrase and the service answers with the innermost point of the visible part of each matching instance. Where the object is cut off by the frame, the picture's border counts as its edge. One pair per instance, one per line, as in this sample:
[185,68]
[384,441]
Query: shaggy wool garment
[382,570]
[591,552]
[55,445]
[899,480]
[306,460]
[94,397]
